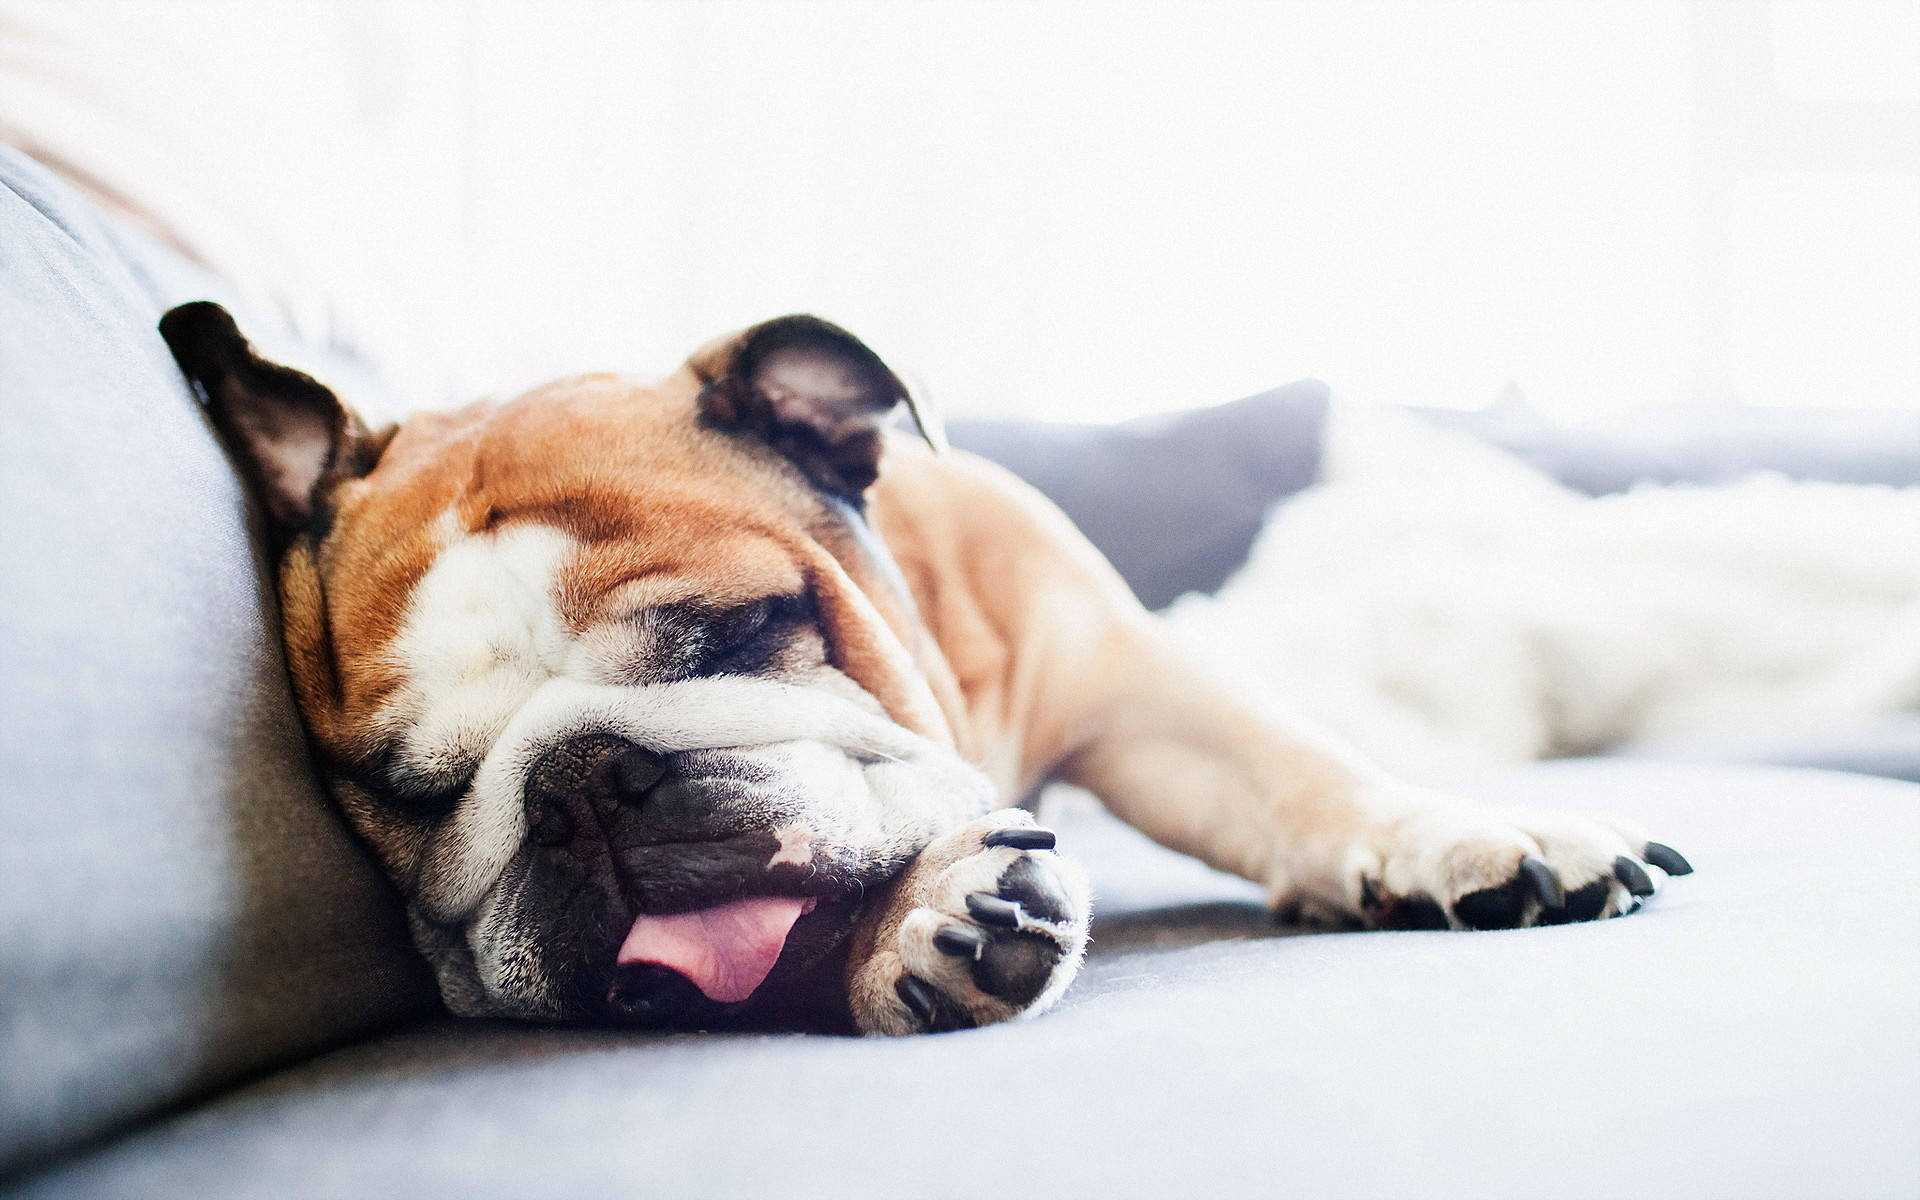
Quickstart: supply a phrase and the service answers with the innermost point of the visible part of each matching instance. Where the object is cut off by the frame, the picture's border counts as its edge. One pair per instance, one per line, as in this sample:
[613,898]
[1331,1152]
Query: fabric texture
[178,909]
[1748,1035]
[1703,444]
[1889,747]
[1173,501]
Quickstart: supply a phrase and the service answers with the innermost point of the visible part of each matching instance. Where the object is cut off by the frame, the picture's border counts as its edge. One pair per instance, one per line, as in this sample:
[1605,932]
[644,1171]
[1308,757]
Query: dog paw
[1470,866]
[988,924]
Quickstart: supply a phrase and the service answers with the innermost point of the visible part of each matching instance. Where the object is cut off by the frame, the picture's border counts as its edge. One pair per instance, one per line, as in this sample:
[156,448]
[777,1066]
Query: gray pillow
[1173,501]
[178,908]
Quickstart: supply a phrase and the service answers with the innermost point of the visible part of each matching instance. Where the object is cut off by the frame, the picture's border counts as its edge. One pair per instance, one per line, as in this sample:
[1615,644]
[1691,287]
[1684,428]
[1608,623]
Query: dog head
[616,681]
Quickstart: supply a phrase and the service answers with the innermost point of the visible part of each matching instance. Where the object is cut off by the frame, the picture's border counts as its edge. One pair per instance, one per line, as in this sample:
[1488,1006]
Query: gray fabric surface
[1751,1034]
[1173,501]
[177,908]
[1889,746]
[1704,444]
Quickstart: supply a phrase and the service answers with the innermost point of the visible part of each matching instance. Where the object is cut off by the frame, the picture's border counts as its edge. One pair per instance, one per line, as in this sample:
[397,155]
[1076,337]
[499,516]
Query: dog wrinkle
[896,776]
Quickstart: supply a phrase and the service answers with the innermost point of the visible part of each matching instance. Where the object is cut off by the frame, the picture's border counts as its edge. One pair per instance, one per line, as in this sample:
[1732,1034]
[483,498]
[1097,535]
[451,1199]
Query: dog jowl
[705,700]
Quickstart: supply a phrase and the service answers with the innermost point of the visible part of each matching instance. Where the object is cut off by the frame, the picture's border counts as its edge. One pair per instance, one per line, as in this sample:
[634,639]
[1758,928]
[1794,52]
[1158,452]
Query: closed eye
[743,641]
[727,632]
[692,640]
[424,795]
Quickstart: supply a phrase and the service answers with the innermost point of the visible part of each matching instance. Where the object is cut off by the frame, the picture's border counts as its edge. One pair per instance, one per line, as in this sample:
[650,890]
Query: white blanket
[1450,610]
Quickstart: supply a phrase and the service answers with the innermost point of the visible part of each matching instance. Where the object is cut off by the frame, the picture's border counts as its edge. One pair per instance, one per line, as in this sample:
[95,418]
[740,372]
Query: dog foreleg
[1333,839]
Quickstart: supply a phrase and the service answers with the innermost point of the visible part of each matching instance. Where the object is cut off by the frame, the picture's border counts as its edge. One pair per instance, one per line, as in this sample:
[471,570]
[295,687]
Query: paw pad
[1000,934]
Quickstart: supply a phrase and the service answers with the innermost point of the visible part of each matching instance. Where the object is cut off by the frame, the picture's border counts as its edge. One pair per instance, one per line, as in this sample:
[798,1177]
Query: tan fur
[667,510]
[1065,676]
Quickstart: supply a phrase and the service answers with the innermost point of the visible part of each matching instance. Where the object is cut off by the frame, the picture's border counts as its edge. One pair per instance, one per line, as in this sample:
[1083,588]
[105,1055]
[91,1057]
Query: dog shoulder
[1026,611]
[957,512]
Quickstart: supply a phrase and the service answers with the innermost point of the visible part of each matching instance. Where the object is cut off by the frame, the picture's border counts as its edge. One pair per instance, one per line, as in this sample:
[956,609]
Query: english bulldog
[716,699]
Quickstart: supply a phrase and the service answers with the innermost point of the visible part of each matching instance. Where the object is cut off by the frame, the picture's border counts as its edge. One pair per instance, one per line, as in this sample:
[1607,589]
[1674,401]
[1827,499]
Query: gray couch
[205,990]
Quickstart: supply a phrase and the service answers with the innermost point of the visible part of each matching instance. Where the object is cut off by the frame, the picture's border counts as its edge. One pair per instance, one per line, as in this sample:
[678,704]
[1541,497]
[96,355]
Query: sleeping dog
[712,700]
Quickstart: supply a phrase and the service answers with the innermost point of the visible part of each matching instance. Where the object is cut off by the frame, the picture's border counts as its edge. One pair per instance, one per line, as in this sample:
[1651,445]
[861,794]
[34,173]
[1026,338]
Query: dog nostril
[650,994]
[547,824]
[585,778]
[633,772]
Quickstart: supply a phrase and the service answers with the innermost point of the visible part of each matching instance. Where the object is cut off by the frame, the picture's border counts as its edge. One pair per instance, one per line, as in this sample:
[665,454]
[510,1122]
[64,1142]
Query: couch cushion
[1750,1034]
[177,906]
[1888,746]
[1174,501]
[1702,443]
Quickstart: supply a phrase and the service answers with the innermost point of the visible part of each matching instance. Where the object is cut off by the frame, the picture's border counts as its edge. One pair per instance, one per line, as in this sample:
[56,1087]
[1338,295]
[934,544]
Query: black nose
[595,769]
[650,994]
[632,772]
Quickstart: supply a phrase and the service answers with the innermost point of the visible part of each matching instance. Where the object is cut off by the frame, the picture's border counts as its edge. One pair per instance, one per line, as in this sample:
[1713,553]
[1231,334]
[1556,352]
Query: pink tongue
[725,951]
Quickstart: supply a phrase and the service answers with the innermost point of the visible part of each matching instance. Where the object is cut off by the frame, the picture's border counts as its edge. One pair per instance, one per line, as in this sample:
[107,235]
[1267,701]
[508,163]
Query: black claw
[1546,885]
[1633,875]
[960,941]
[930,1006]
[1667,859]
[992,910]
[918,996]
[1021,838]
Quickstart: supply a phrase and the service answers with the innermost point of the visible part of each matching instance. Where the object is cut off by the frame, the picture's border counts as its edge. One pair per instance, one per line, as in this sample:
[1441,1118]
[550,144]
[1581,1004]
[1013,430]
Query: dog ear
[290,436]
[812,391]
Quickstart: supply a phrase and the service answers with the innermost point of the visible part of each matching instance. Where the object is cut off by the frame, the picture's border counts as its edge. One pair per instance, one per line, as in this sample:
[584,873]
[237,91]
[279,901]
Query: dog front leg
[1334,840]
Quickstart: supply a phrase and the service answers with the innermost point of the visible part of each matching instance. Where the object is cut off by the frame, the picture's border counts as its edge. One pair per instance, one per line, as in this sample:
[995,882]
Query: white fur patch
[481,635]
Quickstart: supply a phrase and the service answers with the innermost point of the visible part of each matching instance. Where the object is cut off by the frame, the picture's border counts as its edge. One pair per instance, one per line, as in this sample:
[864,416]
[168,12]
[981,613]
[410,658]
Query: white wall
[1082,210]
